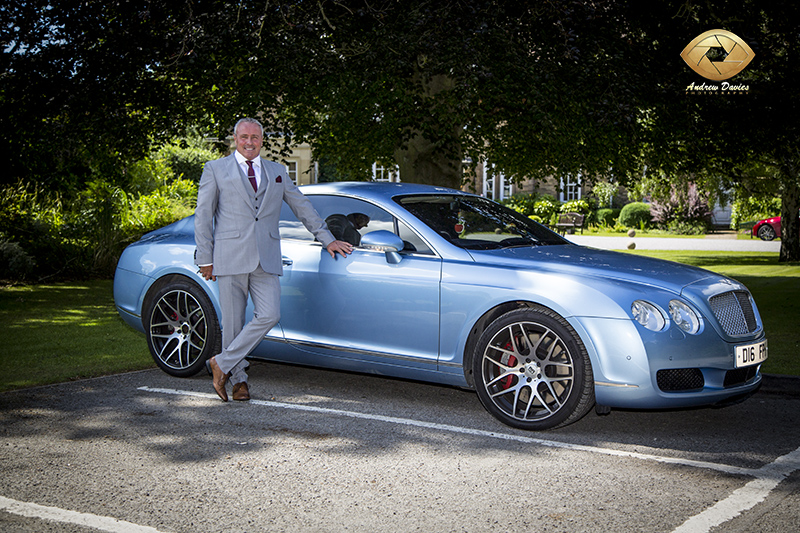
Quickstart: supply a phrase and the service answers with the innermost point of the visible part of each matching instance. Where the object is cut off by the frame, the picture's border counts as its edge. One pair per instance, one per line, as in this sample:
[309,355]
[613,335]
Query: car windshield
[477,223]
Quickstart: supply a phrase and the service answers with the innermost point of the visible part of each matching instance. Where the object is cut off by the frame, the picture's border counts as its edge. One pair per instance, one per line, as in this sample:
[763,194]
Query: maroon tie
[251,175]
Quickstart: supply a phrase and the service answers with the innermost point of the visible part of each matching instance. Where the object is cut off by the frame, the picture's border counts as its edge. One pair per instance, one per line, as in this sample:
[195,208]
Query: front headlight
[648,315]
[684,317]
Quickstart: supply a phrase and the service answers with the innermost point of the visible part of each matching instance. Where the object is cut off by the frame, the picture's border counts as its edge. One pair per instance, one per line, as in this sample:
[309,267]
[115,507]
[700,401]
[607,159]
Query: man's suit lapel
[267,187]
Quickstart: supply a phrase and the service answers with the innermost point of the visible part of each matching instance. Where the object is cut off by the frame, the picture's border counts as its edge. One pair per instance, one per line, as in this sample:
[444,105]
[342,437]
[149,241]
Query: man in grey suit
[238,245]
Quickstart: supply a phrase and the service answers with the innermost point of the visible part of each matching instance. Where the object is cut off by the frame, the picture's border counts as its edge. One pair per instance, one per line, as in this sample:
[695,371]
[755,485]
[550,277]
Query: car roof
[375,190]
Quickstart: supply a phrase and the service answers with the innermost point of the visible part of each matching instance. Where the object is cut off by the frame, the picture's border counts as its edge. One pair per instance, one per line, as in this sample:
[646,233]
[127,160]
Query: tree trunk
[433,161]
[790,225]
[421,162]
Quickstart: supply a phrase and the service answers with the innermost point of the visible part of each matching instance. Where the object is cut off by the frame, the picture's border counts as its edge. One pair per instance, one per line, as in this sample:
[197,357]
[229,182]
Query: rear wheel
[766,233]
[532,371]
[181,326]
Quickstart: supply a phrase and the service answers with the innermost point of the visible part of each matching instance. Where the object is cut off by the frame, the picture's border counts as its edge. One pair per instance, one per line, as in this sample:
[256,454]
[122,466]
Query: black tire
[766,232]
[532,371]
[181,326]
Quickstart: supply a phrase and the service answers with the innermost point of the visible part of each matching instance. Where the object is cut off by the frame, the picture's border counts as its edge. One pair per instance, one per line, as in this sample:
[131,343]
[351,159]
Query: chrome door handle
[286,261]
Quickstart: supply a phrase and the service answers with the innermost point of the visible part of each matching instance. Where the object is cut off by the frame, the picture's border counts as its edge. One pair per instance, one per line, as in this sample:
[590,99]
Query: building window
[388,174]
[570,188]
[495,184]
[292,166]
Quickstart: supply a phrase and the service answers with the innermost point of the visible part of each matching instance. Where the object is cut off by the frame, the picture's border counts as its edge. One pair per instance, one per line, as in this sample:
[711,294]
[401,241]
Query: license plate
[751,354]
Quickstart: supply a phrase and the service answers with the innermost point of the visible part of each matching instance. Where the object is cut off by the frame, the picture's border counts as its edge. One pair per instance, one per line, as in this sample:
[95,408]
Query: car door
[360,309]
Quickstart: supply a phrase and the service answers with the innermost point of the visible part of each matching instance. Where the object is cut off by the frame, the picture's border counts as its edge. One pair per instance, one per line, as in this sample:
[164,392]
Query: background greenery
[66,331]
[48,234]
[535,90]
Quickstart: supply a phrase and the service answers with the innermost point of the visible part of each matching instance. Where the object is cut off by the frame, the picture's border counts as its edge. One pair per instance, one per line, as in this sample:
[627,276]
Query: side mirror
[384,241]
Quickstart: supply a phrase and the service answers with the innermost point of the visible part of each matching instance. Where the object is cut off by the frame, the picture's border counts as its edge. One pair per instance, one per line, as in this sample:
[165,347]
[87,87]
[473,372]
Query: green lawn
[64,331]
[67,331]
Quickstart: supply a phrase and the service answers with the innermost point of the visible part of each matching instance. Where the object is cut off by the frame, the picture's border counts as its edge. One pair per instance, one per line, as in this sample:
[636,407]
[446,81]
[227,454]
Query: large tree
[535,88]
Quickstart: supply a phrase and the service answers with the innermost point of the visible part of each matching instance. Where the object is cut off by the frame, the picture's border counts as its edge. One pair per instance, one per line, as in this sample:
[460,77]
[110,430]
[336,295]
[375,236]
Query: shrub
[15,263]
[186,160]
[96,218]
[521,203]
[606,216]
[683,209]
[165,205]
[35,222]
[546,207]
[44,236]
[575,206]
[635,215]
[147,175]
[682,227]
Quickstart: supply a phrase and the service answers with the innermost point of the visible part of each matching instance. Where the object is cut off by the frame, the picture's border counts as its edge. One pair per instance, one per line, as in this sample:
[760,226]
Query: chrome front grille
[735,313]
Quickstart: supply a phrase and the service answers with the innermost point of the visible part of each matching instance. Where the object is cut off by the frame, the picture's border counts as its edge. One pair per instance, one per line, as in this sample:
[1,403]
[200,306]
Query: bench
[569,222]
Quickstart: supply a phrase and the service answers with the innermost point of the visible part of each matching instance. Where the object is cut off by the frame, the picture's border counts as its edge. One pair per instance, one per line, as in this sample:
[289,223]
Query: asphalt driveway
[329,451]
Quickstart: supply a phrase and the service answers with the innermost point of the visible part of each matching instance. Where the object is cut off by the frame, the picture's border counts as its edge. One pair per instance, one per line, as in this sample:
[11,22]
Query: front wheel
[532,371]
[181,326]
[766,233]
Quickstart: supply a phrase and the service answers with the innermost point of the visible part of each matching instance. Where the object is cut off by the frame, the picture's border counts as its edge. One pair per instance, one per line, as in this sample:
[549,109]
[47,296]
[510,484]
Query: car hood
[582,261]
[184,226]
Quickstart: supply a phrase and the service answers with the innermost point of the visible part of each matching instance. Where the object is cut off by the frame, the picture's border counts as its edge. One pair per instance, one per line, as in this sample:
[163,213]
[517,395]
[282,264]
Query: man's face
[248,140]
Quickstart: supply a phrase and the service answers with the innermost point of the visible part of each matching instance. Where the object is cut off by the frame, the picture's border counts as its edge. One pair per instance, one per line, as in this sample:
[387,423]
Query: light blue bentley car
[452,288]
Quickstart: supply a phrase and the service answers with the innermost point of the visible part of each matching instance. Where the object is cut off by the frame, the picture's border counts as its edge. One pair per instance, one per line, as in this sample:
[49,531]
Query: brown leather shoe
[240,392]
[220,379]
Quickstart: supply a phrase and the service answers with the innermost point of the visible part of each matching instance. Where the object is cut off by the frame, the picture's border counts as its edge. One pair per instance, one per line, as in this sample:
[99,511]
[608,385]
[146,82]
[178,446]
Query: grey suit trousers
[238,339]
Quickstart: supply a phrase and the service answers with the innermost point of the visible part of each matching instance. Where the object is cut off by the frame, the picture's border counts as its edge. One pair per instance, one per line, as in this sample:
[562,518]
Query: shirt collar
[242,159]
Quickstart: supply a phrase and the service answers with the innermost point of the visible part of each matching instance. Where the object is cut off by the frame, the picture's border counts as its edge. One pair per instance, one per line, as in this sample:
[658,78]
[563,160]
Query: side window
[349,219]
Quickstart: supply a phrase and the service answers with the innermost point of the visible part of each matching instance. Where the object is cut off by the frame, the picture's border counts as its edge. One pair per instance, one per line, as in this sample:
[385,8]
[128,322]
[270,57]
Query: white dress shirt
[243,165]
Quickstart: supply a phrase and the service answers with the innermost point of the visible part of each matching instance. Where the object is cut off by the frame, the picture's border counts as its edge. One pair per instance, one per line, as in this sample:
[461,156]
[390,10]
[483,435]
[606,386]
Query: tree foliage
[537,88]
[88,86]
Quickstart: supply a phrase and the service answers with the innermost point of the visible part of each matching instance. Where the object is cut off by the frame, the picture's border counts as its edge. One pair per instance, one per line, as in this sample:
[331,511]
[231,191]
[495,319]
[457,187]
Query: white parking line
[767,477]
[728,469]
[54,514]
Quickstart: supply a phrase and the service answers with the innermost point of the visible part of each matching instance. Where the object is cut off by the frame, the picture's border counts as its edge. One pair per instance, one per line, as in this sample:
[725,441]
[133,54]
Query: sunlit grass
[65,331]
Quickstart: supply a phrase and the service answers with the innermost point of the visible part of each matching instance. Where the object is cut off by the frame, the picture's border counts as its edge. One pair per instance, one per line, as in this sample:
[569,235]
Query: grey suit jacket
[235,228]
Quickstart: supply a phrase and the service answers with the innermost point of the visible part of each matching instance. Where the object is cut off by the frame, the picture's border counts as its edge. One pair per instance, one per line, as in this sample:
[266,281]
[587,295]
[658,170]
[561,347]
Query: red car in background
[767,229]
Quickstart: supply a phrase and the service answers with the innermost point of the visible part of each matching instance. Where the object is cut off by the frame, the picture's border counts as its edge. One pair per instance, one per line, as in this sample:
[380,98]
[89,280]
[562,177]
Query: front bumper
[637,368]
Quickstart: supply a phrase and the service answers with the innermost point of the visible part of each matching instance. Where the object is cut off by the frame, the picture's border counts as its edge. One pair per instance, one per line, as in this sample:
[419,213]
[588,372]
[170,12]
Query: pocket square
[278,179]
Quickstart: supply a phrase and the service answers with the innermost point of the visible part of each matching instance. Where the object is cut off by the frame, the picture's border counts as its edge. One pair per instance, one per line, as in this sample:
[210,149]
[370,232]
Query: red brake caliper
[508,360]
